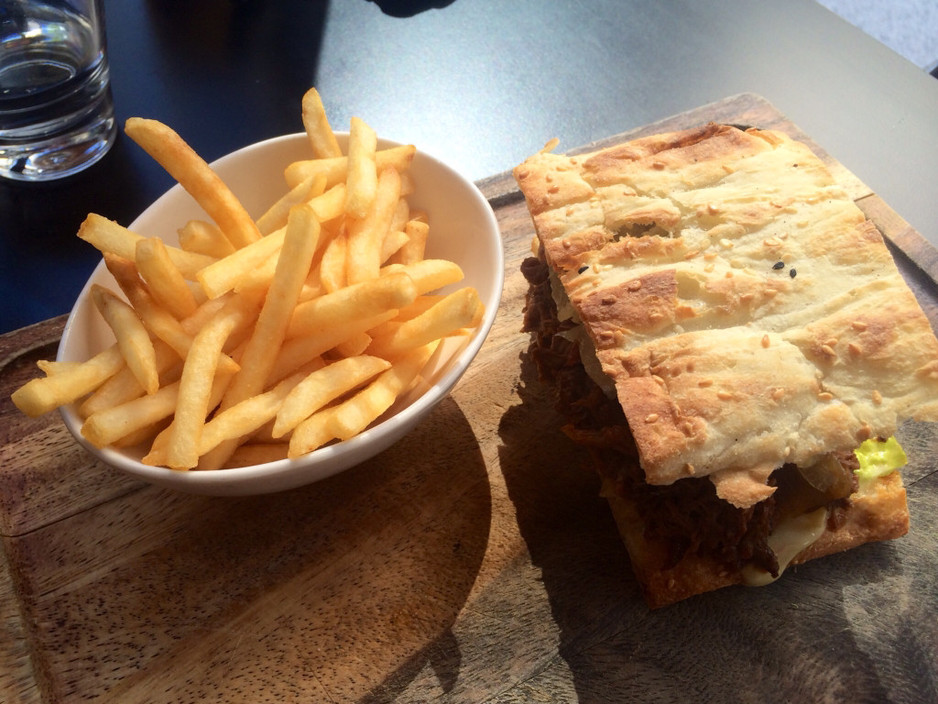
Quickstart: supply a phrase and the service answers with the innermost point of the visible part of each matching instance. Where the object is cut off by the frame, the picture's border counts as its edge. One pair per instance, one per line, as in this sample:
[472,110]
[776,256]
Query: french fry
[209,309]
[298,248]
[336,168]
[428,274]
[141,435]
[366,406]
[44,394]
[362,179]
[323,386]
[366,235]
[157,320]
[313,433]
[396,237]
[204,237]
[321,137]
[420,305]
[51,367]
[108,426]
[413,249]
[195,386]
[402,211]
[223,275]
[352,416]
[365,299]
[459,309]
[332,263]
[393,241]
[124,387]
[159,445]
[312,287]
[353,346]
[107,236]
[164,279]
[330,204]
[276,215]
[195,176]
[258,277]
[298,351]
[133,339]
[246,416]
[254,453]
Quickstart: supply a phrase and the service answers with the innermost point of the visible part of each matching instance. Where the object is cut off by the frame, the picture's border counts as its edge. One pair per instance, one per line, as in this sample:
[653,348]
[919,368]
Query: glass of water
[56,113]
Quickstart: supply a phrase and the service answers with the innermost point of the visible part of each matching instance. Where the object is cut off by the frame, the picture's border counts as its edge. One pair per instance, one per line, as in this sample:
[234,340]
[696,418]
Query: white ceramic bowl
[462,229]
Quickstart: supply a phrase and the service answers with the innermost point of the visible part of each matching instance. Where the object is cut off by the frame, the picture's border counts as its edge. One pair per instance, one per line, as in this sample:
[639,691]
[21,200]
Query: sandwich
[729,338]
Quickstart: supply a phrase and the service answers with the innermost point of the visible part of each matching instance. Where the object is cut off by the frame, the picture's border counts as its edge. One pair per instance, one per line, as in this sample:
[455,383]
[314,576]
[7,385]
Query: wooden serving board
[473,561]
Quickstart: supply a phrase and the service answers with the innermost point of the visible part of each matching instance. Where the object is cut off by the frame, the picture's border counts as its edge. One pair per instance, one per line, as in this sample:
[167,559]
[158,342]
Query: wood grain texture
[472,561]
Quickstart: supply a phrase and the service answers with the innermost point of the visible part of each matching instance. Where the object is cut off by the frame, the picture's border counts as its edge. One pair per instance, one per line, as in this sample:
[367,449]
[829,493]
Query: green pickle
[879,458]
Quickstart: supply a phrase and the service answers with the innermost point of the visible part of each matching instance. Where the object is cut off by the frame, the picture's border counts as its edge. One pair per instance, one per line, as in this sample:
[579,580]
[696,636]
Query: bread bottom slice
[877,511]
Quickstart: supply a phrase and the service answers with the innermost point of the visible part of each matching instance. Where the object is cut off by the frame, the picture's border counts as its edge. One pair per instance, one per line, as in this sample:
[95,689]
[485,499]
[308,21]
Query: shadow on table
[809,637]
[322,589]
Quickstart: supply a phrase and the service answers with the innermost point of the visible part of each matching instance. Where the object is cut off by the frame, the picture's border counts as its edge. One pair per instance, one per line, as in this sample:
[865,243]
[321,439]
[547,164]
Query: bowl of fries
[235,364]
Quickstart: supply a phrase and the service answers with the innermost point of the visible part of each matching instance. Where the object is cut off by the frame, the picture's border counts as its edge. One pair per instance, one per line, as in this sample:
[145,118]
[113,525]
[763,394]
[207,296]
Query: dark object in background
[409,8]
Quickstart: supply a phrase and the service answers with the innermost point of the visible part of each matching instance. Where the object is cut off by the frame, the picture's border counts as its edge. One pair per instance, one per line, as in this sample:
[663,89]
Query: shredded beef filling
[686,516]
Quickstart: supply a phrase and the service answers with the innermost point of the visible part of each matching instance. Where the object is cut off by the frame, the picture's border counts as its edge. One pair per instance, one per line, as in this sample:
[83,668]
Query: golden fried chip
[133,339]
[248,415]
[354,302]
[223,275]
[428,274]
[413,249]
[366,235]
[44,394]
[276,215]
[204,237]
[192,172]
[322,387]
[163,278]
[352,416]
[195,387]
[362,180]
[321,137]
[332,264]
[336,168]
[459,309]
[108,237]
[123,386]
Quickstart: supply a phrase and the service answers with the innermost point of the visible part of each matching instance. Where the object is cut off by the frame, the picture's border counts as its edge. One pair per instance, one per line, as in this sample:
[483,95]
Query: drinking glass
[56,112]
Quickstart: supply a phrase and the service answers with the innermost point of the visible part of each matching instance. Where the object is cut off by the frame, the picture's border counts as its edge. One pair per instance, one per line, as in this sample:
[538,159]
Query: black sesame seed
[582,269]
[778,265]
[792,273]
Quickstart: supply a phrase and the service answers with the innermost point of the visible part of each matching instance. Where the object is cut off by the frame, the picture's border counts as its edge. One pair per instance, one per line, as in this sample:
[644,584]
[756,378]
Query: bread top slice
[747,312]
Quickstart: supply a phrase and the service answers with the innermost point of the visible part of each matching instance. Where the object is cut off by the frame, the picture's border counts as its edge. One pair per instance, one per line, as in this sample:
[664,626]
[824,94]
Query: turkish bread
[729,297]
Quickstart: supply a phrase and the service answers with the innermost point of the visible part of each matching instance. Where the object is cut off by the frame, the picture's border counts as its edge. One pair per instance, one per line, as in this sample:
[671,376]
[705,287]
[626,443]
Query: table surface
[480,83]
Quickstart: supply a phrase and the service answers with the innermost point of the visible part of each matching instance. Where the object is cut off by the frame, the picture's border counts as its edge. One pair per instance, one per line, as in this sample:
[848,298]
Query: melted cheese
[790,538]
